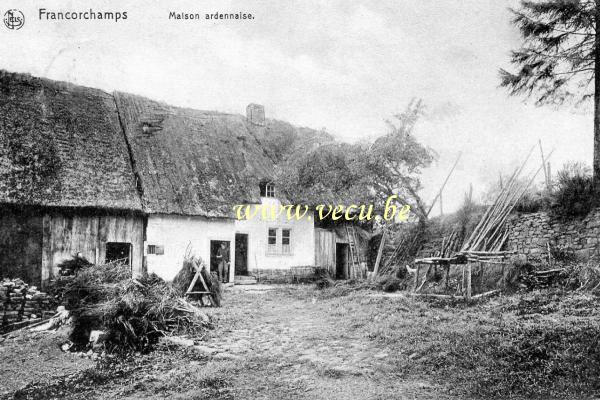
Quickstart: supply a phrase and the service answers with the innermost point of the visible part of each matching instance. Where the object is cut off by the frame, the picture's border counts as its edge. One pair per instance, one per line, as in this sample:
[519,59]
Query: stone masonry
[531,233]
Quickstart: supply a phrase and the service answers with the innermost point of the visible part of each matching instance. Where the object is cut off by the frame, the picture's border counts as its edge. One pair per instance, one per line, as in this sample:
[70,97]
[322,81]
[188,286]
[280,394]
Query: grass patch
[536,345]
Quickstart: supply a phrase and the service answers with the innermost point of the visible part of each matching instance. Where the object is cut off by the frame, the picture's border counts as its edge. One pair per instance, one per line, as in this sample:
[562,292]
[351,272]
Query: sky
[345,66]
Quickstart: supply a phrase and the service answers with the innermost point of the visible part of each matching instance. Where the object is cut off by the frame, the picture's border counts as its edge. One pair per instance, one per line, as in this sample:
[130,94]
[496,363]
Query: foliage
[362,173]
[396,159]
[326,174]
[466,217]
[556,62]
[532,201]
[573,194]
[323,279]
[391,284]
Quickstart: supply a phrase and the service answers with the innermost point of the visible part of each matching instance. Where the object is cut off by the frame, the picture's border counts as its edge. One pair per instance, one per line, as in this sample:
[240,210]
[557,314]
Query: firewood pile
[22,304]
[542,279]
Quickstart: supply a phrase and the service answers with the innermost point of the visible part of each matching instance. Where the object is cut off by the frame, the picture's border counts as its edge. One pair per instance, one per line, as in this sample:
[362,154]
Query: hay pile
[134,313]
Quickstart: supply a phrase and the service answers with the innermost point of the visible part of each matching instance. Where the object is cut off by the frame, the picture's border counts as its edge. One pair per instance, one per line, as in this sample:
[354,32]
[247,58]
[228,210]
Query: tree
[363,173]
[396,159]
[559,57]
[324,175]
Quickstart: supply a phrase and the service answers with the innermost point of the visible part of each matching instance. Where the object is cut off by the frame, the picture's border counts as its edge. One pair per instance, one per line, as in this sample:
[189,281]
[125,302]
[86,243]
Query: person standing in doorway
[223,263]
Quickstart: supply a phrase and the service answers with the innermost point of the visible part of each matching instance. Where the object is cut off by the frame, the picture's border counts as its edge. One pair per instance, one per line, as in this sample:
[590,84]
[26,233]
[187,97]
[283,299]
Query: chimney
[255,113]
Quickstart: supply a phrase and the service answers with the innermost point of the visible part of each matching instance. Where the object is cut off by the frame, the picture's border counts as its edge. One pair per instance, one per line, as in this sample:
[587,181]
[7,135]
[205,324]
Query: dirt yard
[295,342]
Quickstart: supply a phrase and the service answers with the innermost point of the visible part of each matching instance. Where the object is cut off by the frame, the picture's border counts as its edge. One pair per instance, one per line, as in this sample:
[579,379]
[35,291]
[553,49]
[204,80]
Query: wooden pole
[549,176]
[416,277]
[447,275]
[481,271]
[468,291]
[379,253]
[544,165]
[443,184]
[498,204]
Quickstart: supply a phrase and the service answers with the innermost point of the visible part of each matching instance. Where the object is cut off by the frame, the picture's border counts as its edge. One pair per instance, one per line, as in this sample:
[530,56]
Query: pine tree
[559,57]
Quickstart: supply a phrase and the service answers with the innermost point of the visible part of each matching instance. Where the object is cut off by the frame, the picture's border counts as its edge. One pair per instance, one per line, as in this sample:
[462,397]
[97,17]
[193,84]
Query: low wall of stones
[531,233]
[284,275]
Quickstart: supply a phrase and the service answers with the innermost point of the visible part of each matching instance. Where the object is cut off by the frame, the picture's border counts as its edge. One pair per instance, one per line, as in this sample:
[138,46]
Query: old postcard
[317,199]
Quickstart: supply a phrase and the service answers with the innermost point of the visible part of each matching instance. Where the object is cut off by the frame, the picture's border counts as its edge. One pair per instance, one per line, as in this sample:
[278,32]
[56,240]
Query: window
[285,241]
[270,190]
[279,241]
[154,249]
[272,241]
[267,189]
[118,252]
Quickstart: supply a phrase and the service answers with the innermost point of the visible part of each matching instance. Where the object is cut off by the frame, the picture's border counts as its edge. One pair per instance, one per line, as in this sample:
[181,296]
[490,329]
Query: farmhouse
[119,176]
[66,183]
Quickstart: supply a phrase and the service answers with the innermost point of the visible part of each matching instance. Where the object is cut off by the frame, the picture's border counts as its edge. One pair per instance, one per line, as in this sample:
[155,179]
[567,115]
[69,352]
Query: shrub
[532,201]
[573,194]
[391,284]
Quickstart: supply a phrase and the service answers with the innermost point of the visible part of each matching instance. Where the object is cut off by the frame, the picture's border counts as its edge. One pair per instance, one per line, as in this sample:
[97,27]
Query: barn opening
[241,254]
[118,251]
[341,261]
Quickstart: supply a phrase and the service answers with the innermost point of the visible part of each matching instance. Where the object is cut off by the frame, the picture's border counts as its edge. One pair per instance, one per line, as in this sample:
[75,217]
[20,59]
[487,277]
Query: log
[440,296]
[548,272]
[490,293]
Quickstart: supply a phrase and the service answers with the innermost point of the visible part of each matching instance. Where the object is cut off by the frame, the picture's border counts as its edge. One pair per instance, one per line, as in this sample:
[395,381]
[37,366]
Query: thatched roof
[61,145]
[192,162]
[282,140]
[70,146]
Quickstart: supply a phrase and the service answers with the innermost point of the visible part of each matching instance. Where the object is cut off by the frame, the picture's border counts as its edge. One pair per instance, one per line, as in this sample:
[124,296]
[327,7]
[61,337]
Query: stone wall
[284,275]
[531,233]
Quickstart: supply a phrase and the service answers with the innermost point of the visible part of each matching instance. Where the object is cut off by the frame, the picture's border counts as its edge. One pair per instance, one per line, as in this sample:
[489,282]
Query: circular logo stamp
[14,19]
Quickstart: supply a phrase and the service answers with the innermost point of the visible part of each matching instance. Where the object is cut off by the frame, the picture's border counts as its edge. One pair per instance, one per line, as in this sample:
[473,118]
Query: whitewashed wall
[175,233]
[302,241]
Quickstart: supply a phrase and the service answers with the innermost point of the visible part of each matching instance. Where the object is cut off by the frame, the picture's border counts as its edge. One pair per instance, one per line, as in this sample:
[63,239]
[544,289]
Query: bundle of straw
[134,313]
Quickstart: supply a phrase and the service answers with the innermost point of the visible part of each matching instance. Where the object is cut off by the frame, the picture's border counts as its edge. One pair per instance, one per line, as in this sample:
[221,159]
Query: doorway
[241,254]
[215,249]
[341,261]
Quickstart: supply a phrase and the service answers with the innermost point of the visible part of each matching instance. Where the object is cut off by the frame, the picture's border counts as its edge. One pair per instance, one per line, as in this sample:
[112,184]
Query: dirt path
[296,342]
[289,344]
[271,342]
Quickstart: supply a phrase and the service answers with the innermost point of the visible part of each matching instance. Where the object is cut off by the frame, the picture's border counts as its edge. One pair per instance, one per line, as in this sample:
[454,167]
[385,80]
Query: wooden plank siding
[34,241]
[325,249]
[88,235]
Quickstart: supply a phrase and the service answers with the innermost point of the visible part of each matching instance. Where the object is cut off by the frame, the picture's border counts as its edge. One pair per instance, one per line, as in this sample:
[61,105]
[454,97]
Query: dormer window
[270,190]
[267,189]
